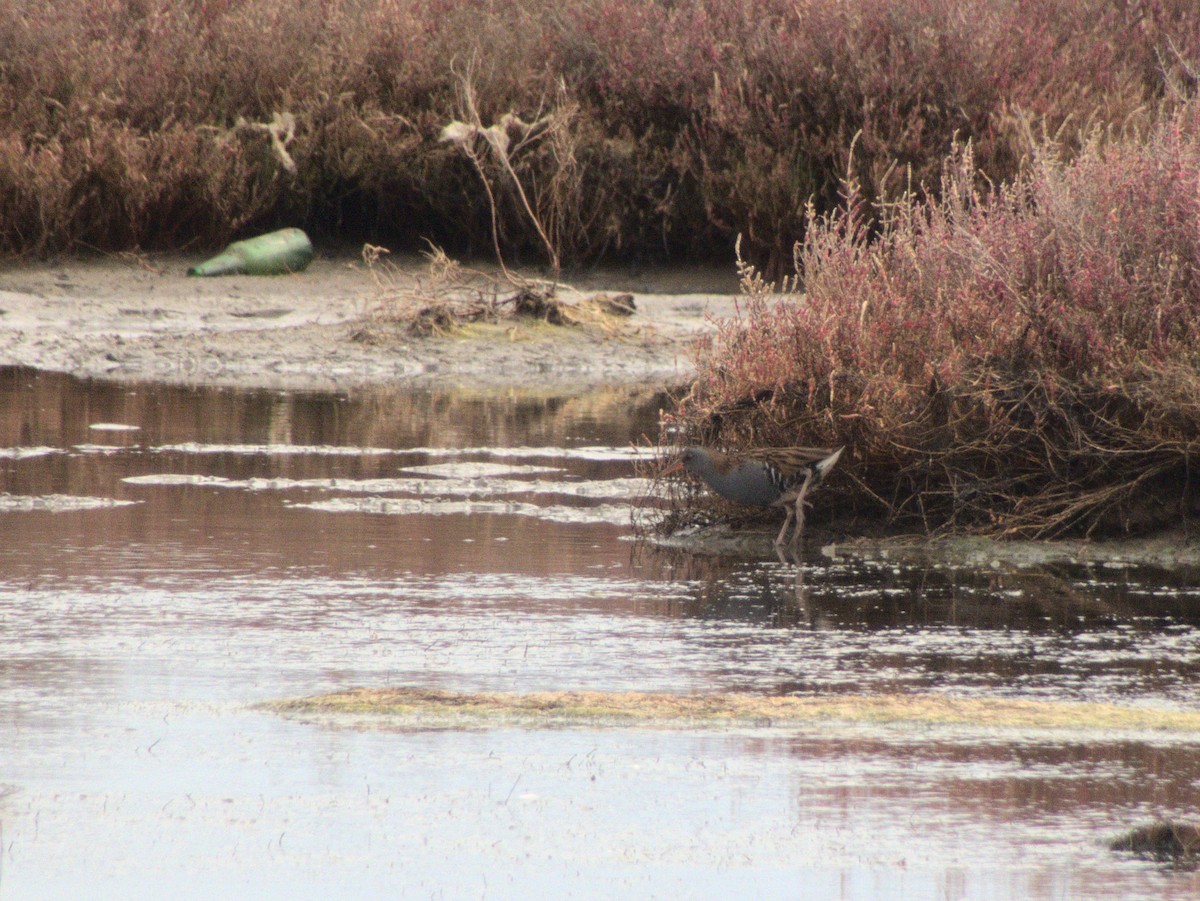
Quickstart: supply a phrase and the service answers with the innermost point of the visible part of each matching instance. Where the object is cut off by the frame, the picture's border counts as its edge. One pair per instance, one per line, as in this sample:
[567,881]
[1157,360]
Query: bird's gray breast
[749,483]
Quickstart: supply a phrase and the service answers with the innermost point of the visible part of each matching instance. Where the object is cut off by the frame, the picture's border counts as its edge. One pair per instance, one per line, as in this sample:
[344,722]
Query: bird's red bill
[672,469]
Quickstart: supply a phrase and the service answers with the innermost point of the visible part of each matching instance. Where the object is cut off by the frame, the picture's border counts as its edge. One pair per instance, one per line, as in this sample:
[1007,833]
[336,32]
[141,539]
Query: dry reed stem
[498,138]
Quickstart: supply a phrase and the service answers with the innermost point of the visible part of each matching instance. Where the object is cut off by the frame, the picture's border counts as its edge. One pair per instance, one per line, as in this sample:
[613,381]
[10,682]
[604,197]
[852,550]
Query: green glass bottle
[275,253]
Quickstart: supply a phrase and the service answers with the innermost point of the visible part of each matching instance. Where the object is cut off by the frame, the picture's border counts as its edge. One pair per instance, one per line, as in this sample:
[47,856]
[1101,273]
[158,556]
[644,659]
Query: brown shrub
[1015,360]
[688,123]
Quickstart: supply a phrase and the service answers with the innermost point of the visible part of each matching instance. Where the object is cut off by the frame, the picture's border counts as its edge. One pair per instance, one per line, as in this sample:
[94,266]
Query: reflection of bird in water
[792,604]
[767,477]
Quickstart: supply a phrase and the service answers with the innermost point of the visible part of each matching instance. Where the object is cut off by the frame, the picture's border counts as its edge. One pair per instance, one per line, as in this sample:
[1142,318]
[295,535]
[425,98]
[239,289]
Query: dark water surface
[170,556]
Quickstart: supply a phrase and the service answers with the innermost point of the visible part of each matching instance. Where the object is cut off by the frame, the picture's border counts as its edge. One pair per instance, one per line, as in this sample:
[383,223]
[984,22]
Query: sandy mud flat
[128,318]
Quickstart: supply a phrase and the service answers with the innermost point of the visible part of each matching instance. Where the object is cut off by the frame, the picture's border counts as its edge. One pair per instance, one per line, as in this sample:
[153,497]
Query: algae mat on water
[435,708]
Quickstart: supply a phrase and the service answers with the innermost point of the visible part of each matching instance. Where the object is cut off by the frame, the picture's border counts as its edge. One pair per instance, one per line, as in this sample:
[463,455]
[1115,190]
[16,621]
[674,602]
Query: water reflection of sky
[236,547]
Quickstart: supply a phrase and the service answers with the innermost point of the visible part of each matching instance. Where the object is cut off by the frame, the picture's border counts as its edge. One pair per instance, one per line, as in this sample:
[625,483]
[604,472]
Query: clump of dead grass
[435,300]
[444,297]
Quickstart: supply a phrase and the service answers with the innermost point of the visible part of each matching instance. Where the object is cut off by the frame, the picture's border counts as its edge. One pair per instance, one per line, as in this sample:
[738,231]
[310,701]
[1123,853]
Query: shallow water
[171,556]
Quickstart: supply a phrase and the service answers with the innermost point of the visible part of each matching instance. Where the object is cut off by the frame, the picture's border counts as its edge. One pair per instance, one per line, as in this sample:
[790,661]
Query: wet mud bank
[1168,549]
[334,327]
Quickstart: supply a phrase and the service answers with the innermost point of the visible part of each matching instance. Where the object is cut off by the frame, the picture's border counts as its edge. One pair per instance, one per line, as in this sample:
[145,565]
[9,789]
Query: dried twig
[498,139]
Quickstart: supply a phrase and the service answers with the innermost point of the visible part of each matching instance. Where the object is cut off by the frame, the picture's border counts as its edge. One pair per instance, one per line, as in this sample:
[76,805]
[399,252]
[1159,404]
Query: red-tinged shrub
[1019,360]
[682,124]
[880,90]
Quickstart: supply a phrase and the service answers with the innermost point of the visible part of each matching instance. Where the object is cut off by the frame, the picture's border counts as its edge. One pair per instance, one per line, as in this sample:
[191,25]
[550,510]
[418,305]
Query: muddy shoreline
[328,328]
[1171,549]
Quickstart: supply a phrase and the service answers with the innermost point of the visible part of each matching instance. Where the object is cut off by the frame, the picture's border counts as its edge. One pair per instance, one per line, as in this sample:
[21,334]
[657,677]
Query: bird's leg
[800,508]
[787,521]
[799,522]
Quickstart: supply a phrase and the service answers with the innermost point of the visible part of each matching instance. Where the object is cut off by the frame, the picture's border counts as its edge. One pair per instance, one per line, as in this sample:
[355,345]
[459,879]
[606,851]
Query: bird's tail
[822,467]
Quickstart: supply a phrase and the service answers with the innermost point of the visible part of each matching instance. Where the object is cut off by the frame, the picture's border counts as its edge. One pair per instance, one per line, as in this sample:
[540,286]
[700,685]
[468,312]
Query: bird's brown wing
[789,460]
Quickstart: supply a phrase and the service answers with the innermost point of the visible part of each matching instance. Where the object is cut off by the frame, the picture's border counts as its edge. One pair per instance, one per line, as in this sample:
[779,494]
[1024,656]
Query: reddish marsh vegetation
[669,127]
[1023,359]
[1016,358]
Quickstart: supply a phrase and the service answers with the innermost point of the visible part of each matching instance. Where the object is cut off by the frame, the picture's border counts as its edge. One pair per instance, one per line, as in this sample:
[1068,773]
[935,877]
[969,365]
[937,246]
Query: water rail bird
[765,477]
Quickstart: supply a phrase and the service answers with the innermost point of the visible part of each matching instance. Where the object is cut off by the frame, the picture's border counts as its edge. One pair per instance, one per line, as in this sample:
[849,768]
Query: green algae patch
[433,707]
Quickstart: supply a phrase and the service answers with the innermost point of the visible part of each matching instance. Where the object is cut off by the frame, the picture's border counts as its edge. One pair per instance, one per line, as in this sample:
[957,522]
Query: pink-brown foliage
[690,122]
[1020,358]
